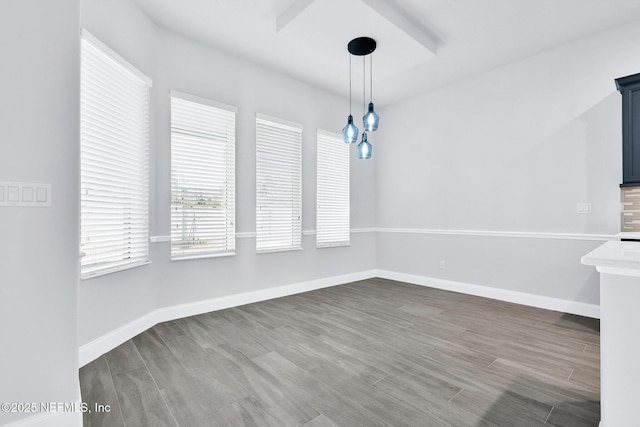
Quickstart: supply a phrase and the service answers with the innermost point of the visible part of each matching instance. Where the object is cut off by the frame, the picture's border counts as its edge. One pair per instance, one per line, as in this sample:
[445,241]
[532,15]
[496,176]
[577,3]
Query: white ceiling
[422,44]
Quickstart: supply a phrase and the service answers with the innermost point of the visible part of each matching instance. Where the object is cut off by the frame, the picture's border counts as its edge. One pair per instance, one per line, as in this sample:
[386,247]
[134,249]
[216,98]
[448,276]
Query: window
[114,168]
[332,203]
[203,145]
[278,185]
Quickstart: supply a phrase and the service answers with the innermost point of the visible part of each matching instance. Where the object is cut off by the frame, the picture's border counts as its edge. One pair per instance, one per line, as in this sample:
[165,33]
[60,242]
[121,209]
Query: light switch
[41,194]
[1,193]
[27,194]
[13,193]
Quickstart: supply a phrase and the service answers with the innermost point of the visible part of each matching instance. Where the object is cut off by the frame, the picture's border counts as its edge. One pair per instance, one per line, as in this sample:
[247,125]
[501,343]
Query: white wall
[39,246]
[109,302]
[512,150]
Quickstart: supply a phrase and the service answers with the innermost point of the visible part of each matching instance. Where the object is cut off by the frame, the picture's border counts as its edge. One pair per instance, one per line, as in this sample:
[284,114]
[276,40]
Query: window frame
[221,112]
[331,145]
[118,209]
[273,150]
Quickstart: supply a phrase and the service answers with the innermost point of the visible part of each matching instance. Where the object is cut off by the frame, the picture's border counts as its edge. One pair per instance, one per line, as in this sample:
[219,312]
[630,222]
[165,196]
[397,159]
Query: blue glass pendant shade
[350,131]
[364,148]
[370,120]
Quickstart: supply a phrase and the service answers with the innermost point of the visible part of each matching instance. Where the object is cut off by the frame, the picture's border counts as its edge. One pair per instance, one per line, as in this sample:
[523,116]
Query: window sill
[104,272]
[202,256]
[334,245]
[266,251]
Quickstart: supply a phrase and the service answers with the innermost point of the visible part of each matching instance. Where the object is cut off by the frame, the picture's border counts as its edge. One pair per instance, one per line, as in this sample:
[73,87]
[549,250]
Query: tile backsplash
[630,209]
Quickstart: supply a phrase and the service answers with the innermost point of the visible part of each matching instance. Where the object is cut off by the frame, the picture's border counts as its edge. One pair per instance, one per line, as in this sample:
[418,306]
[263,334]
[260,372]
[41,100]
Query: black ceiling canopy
[361,46]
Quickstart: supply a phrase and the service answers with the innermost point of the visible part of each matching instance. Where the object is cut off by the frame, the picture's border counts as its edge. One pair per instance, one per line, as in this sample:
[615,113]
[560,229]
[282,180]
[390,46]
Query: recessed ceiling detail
[325,26]
[385,9]
[306,39]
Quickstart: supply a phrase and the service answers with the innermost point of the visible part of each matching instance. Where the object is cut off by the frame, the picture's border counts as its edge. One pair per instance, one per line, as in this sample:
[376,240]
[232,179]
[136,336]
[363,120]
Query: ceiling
[422,44]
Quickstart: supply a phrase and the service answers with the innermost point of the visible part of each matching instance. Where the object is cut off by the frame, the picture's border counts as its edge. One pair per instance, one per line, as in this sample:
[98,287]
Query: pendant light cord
[364,86]
[371,77]
[349,84]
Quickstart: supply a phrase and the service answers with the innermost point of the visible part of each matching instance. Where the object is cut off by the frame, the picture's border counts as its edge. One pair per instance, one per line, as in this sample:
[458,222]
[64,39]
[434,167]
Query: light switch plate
[25,194]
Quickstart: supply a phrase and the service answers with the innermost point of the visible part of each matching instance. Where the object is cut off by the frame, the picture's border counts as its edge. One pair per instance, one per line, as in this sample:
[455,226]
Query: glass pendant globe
[370,120]
[364,148]
[350,131]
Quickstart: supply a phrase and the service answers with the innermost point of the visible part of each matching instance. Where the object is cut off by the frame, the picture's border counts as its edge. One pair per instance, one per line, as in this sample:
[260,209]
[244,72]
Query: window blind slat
[114,115]
[202,179]
[332,203]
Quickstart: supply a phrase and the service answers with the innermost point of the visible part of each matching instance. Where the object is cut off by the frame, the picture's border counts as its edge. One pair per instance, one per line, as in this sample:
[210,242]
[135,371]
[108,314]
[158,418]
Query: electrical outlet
[583,208]
[443,265]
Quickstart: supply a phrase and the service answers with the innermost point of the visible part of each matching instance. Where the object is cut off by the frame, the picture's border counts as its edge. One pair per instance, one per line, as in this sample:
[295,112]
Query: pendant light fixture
[350,131]
[370,120]
[362,46]
[364,148]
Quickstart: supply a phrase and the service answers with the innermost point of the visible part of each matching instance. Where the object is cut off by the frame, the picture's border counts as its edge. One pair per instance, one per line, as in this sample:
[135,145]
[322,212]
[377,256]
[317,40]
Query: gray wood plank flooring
[369,353]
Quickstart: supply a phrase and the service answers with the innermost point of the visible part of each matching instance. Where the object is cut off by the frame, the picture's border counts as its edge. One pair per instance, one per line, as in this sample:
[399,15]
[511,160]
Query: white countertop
[615,257]
[628,235]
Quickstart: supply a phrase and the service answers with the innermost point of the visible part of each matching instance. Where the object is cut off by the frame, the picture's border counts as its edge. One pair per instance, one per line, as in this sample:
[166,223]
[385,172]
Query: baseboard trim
[50,419]
[549,303]
[110,340]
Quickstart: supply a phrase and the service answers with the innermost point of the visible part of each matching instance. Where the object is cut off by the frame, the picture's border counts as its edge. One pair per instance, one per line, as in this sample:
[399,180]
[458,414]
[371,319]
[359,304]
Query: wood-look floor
[370,353]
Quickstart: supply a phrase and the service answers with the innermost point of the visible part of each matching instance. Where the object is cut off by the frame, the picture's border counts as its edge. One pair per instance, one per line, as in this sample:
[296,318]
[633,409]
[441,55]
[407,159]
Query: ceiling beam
[296,8]
[394,16]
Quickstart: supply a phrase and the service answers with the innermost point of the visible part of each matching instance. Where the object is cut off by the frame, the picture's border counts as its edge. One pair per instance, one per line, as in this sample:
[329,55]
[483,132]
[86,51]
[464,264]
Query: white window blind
[202,178]
[278,185]
[332,203]
[114,123]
